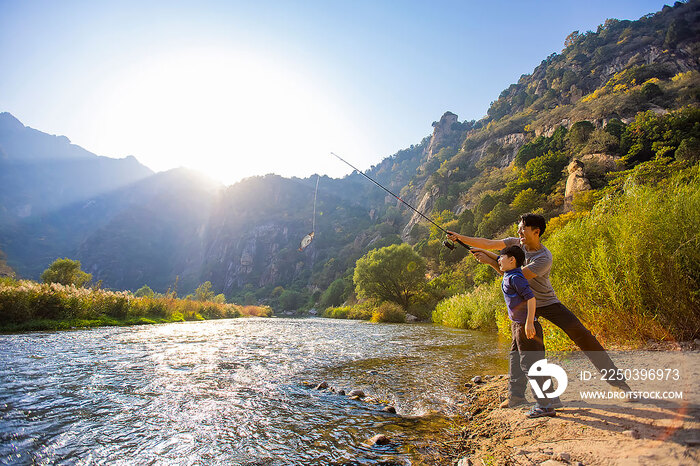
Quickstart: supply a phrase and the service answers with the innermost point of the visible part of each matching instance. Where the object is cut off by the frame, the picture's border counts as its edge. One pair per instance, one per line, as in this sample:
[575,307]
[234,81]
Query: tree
[144,292]
[334,294]
[395,273]
[688,150]
[204,292]
[498,218]
[66,272]
[601,141]
[526,201]
[571,39]
[541,173]
[484,207]
[290,300]
[580,132]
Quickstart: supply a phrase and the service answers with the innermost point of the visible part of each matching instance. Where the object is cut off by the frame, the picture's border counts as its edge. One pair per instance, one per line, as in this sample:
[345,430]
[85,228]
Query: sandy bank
[649,432]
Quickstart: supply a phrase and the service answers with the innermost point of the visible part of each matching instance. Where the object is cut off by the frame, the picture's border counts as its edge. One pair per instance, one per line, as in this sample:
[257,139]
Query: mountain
[552,142]
[55,195]
[597,85]
[41,173]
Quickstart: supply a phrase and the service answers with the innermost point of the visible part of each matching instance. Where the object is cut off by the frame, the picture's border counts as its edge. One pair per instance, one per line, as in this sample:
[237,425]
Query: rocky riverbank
[582,433]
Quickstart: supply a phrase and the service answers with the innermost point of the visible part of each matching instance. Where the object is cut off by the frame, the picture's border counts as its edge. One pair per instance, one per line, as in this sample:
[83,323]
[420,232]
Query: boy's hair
[534,221]
[515,251]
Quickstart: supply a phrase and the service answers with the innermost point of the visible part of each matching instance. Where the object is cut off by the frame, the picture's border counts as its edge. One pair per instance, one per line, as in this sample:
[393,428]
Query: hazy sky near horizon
[240,88]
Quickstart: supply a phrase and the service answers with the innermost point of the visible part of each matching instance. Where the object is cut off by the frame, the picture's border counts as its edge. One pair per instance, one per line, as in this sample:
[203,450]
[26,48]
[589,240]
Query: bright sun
[229,115]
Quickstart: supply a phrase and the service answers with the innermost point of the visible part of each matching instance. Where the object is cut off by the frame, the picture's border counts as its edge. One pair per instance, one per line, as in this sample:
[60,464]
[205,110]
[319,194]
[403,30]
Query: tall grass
[631,269]
[27,305]
[474,310]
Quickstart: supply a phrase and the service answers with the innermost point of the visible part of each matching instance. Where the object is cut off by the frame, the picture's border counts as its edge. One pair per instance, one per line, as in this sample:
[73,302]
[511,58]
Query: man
[538,263]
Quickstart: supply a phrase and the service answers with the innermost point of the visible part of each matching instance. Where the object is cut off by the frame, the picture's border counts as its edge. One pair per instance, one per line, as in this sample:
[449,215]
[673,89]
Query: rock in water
[322,386]
[379,440]
[477,379]
[389,409]
[359,393]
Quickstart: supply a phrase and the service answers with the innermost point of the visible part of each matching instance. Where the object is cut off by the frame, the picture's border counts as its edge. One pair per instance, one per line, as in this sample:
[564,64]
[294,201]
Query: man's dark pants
[524,352]
[563,318]
[559,315]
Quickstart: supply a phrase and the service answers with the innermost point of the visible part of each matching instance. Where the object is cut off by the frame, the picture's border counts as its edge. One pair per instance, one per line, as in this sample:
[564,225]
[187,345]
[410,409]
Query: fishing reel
[449,244]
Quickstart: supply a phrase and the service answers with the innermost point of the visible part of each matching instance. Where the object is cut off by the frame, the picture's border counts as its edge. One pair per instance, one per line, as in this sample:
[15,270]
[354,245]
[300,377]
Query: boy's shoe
[539,411]
[513,401]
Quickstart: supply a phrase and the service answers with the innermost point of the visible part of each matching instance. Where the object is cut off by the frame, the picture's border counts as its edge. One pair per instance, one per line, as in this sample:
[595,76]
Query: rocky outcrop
[444,133]
[255,253]
[425,205]
[602,163]
[509,144]
[577,181]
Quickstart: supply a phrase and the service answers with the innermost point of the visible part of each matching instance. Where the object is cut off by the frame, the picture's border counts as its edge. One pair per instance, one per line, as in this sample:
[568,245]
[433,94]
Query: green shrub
[388,312]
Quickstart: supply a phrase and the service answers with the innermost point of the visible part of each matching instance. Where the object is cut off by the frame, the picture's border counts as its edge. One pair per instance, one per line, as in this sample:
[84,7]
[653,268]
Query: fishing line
[446,243]
[313,222]
[306,240]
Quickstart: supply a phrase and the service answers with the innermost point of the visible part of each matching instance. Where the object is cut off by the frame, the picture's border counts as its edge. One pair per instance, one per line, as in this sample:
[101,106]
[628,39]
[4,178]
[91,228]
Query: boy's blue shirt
[516,291]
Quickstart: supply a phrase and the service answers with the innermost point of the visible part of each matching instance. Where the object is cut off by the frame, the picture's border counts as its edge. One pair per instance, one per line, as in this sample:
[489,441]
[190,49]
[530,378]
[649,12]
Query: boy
[528,344]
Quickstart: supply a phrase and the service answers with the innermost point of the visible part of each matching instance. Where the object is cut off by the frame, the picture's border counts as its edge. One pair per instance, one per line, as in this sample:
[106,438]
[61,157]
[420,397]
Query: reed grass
[630,269]
[27,305]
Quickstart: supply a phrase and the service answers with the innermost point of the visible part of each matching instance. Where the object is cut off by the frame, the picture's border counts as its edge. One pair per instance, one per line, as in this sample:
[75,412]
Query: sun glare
[229,115]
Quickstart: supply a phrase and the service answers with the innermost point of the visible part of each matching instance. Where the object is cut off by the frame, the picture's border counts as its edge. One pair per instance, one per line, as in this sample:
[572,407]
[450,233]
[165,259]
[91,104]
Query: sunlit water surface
[232,391]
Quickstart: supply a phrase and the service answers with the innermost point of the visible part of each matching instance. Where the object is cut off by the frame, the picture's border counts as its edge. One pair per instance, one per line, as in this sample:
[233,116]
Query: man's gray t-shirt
[539,262]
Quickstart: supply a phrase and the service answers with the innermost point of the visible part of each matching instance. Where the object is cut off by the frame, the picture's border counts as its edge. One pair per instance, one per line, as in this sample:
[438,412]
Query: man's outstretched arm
[476,242]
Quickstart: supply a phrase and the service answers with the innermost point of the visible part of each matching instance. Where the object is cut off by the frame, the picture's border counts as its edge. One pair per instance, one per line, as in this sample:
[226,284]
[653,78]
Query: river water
[232,391]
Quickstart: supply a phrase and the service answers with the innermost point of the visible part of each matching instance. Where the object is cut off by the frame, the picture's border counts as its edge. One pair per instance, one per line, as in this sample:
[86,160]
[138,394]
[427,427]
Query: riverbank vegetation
[626,250]
[27,305]
[629,267]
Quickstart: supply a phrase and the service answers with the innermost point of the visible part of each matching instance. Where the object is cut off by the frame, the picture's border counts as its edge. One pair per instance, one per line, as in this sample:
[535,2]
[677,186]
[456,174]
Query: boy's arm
[530,322]
[524,290]
[487,257]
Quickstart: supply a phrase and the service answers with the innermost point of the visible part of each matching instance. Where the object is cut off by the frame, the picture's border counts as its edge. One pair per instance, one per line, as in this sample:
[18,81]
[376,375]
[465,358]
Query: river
[232,391]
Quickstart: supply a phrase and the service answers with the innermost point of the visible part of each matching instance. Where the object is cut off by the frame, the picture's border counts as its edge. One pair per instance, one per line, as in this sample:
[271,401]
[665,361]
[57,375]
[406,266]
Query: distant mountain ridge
[40,173]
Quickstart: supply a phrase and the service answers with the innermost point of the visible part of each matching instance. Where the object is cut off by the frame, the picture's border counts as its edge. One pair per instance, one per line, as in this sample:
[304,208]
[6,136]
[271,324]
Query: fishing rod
[445,243]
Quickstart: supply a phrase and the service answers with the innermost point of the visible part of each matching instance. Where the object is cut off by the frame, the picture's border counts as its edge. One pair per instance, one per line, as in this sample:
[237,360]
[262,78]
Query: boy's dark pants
[563,318]
[524,352]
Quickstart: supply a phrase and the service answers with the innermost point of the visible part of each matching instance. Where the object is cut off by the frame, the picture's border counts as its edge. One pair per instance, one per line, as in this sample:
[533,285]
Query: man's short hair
[515,251]
[534,221]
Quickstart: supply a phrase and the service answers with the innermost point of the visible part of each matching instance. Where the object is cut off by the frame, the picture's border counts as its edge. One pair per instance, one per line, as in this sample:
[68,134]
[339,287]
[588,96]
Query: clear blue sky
[243,88]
